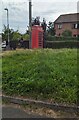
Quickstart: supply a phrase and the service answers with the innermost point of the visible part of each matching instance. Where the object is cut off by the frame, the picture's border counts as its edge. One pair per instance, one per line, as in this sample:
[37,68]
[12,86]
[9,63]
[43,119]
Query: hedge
[48,44]
[15,44]
[54,38]
[62,44]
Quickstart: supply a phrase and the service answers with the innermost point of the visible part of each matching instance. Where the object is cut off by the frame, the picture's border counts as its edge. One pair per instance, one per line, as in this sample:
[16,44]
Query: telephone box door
[37,36]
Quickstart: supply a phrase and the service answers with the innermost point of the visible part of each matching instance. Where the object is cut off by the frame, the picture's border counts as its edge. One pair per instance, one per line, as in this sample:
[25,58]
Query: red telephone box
[37,36]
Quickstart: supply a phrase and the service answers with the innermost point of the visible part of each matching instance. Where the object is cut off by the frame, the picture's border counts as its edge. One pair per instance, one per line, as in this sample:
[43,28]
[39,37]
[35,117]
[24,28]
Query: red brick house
[67,22]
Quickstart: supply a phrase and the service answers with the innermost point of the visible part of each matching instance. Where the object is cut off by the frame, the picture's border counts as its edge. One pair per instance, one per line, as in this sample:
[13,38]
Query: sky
[19,11]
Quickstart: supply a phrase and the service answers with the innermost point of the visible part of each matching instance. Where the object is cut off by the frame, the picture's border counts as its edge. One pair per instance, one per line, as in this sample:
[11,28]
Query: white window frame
[76,26]
[59,26]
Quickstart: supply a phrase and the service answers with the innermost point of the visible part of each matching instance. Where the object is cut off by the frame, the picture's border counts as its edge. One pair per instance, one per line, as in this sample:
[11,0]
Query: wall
[66,26]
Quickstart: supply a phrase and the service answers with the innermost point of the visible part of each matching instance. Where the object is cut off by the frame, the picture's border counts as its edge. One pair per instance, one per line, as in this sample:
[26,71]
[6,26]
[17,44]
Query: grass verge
[41,74]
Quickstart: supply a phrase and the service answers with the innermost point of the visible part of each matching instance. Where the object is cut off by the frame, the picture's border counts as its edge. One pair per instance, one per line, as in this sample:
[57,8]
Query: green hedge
[54,38]
[15,44]
[62,44]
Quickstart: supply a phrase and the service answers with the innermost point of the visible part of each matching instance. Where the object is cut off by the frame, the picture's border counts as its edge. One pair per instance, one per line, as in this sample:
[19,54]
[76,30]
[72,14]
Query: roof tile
[67,18]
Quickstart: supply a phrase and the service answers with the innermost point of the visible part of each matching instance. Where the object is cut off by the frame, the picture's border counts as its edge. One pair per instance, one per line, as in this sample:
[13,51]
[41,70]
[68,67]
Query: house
[67,22]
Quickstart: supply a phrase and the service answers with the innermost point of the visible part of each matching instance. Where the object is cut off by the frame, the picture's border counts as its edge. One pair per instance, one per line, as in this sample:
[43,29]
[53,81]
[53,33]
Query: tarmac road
[12,112]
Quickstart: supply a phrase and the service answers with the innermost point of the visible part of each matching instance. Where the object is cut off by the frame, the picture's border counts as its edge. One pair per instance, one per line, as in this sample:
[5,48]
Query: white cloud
[52,10]
[78,6]
[50,1]
[18,14]
[0,16]
[16,1]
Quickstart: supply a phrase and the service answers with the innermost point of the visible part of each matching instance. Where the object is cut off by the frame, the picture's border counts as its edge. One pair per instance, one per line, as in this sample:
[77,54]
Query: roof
[65,18]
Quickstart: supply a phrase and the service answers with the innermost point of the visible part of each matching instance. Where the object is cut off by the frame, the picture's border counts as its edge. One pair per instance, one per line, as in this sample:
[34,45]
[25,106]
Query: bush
[62,44]
[67,33]
[26,37]
[54,38]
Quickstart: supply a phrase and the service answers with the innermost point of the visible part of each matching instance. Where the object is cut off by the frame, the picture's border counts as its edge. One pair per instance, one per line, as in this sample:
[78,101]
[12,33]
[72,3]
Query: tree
[44,25]
[26,36]
[5,34]
[51,30]
[67,33]
[36,21]
[16,35]
[13,35]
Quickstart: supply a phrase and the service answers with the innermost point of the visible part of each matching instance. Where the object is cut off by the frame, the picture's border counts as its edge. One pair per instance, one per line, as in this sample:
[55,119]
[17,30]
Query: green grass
[0,72]
[41,74]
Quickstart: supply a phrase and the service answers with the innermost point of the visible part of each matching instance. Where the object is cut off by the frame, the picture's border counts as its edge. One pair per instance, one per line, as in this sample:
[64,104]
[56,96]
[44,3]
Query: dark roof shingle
[67,18]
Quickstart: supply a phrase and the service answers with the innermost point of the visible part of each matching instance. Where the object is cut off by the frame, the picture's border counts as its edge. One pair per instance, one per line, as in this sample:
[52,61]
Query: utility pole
[7,24]
[30,23]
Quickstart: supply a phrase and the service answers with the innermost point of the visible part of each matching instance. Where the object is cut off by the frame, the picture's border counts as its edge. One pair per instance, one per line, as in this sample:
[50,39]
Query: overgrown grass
[45,73]
[0,73]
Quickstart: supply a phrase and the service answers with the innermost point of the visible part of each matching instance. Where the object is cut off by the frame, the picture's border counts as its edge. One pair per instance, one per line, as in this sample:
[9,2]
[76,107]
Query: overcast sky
[48,9]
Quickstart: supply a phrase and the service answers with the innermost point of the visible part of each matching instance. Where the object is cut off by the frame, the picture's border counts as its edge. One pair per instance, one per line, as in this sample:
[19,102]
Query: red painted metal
[37,36]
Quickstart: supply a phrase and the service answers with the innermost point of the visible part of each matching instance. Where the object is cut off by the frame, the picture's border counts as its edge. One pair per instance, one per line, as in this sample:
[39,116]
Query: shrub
[67,33]
[62,44]
[54,38]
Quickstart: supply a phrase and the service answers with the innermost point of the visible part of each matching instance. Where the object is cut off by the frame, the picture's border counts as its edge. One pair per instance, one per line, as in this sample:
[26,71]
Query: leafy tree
[25,36]
[16,35]
[44,25]
[13,35]
[36,21]
[5,33]
[51,30]
[67,33]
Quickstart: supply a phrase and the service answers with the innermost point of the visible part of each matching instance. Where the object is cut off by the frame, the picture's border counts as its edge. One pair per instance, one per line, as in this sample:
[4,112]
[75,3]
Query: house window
[76,26]
[59,26]
[77,36]
[74,35]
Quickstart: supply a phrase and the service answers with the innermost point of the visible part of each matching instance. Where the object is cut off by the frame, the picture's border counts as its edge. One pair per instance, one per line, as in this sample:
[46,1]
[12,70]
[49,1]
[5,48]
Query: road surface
[12,112]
